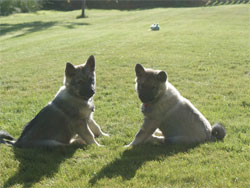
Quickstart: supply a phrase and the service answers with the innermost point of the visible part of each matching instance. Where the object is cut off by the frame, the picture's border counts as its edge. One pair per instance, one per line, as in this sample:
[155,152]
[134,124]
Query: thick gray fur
[68,118]
[168,116]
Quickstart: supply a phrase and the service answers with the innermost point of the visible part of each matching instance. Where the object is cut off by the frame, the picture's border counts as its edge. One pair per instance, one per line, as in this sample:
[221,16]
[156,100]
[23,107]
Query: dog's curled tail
[6,138]
[218,132]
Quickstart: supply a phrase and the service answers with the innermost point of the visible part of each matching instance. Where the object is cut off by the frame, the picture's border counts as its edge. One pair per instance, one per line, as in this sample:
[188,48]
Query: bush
[120,4]
[57,5]
[124,4]
[15,6]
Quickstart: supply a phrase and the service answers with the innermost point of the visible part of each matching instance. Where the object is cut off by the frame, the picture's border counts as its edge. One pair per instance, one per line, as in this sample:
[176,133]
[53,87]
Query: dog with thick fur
[169,114]
[68,118]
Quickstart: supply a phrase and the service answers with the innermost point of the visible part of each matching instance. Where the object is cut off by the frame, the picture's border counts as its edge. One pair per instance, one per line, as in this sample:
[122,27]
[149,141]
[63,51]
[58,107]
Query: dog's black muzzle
[146,95]
[87,92]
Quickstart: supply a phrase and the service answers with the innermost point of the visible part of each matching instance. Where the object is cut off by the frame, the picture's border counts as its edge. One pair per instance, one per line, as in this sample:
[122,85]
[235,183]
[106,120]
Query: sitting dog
[68,118]
[167,112]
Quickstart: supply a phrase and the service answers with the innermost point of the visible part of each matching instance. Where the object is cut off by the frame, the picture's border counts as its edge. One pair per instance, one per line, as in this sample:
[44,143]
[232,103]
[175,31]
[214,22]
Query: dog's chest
[85,112]
[151,111]
[146,108]
[156,111]
[79,110]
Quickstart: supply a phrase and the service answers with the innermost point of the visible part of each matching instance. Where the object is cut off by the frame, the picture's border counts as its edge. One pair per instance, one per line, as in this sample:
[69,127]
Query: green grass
[206,53]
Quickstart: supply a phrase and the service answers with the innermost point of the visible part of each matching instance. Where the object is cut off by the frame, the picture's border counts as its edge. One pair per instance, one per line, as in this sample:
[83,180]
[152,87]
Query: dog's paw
[100,145]
[127,146]
[105,134]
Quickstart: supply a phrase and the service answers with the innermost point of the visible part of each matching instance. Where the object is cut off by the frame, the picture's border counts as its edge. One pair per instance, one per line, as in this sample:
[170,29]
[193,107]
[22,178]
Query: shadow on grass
[34,164]
[28,27]
[31,27]
[132,159]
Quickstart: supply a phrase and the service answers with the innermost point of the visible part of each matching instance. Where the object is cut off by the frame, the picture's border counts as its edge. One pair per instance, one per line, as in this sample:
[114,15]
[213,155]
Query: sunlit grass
[205,52]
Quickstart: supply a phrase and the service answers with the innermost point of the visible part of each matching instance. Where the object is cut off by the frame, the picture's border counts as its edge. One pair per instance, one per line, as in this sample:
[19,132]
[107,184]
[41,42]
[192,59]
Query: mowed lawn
[206,53]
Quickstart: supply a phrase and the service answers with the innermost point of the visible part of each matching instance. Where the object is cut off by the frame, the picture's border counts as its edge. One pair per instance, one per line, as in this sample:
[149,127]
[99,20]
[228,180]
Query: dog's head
[150,84]
[80,80]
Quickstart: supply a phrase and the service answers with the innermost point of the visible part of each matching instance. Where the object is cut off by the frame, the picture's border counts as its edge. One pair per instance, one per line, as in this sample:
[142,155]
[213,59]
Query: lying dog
[166,110]
[68,118]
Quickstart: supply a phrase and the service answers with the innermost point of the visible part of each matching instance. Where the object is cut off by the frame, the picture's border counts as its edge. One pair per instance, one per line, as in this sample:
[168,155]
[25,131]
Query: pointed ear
[91,63]
[139,70]
[70,69]
[162,76]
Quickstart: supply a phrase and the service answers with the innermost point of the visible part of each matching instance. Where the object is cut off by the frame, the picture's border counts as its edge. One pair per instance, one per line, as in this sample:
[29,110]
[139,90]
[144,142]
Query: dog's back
[67,115]
[49,124]
[164,108]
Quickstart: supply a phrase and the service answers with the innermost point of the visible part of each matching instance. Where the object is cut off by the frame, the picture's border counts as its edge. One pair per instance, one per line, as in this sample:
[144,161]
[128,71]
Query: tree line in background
[15,6]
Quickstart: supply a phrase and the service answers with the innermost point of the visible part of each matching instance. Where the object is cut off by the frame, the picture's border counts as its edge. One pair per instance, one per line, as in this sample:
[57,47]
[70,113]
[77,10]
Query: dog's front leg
[85,133]
[95,128]
[148,128]
[155,139]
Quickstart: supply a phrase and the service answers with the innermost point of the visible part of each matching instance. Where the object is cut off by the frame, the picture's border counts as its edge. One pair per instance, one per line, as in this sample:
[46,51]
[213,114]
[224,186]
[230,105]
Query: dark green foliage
[205,52]
[61,5]
[142,4]
[15,6]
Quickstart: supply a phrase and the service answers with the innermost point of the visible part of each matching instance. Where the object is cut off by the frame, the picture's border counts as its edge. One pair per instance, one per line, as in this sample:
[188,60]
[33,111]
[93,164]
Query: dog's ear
[162,76]
[139,70]
[91,63]
[70,69]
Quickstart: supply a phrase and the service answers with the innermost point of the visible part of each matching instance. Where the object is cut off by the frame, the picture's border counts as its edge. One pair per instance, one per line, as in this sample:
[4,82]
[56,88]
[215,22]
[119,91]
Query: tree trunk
[83,8]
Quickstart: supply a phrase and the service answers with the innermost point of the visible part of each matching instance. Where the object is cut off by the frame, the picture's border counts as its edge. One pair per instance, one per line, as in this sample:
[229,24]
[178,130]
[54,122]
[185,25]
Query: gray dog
[68,118]
[168,113]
